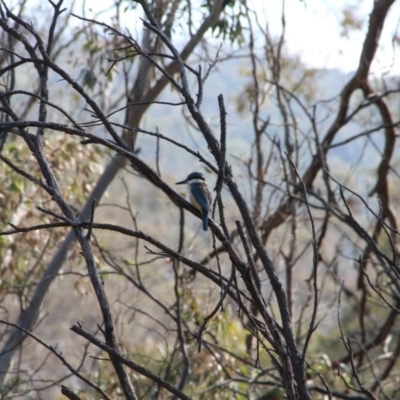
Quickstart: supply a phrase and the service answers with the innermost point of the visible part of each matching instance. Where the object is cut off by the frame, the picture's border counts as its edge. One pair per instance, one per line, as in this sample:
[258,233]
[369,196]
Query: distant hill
[227,79]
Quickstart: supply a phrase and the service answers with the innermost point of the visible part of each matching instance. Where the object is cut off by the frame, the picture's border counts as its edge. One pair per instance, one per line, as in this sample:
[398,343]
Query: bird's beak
[181,182]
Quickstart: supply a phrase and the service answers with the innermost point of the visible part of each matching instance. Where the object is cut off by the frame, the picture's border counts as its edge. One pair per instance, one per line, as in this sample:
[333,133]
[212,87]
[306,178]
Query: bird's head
[192,178]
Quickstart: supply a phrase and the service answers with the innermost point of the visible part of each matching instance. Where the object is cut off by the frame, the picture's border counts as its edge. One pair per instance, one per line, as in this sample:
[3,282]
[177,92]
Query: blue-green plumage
[199,195]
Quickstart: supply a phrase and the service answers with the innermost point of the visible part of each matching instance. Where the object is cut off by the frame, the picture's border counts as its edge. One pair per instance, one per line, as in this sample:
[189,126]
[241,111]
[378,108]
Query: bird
[199,194]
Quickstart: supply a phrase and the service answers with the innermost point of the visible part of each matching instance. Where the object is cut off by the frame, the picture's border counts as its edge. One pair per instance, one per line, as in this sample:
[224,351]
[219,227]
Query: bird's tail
[204,213]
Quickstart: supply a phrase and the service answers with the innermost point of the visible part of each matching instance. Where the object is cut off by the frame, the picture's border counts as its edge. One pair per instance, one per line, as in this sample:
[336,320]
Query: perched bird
[199,194]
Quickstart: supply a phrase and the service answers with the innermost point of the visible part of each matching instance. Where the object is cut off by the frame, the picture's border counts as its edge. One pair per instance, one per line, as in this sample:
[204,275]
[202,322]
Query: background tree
[244,313]
[138,94]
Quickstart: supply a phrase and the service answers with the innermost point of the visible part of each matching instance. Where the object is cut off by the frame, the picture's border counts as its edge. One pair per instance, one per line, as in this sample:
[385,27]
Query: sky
[312,30]
[313,27]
